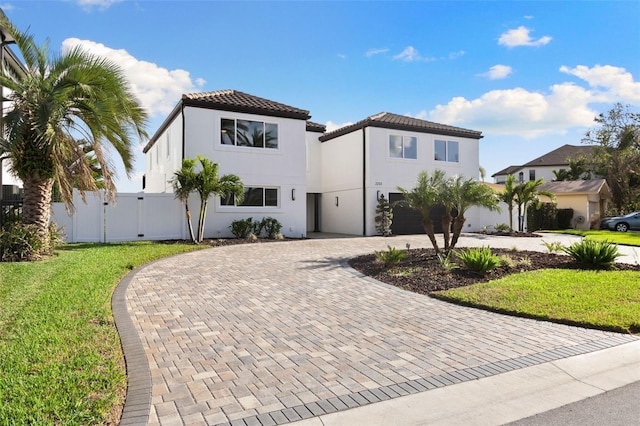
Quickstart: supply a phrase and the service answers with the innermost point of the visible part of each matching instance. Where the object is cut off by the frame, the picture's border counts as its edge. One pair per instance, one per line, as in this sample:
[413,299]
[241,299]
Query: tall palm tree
[184,183]
[423,198]
[208,183]
[508,197]
[59,101]
[527,193]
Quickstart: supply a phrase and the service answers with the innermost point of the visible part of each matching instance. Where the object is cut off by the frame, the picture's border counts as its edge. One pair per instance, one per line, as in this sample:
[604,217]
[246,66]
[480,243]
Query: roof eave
[165,124]
[393,126]
[245,109]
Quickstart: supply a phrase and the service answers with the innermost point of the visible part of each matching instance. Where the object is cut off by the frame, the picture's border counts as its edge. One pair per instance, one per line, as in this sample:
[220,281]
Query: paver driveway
[270,333]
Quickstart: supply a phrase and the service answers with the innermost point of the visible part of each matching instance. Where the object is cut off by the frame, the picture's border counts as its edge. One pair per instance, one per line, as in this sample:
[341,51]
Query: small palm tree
[464,195]
[508,197]
[58,102]
[527,193]
[208,183]
[184,183]
[423,198]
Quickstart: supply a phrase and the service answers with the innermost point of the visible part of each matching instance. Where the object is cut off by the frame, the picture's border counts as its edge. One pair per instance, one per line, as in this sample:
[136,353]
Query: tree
[60,101]
[384,217]
[423,198]
[184,183]
[617,156]
[527,193]
[508,197]
[578,170]
[208,183]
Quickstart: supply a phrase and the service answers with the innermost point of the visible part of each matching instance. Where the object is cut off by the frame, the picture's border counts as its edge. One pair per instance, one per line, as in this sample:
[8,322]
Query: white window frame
[403,139]
[447,151]
[264,127]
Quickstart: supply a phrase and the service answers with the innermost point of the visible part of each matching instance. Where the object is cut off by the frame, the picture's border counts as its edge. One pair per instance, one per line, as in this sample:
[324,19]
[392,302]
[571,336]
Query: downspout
[364,181]
[183,132]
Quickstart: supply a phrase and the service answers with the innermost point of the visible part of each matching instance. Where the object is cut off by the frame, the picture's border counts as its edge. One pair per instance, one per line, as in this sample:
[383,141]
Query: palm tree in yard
[208,183]
[423,198]
[184,183]
[61,102]
[527,193]
[508,197]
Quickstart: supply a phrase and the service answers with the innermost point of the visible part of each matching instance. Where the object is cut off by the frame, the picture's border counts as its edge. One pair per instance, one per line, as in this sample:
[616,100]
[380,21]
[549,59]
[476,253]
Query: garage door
[408,221]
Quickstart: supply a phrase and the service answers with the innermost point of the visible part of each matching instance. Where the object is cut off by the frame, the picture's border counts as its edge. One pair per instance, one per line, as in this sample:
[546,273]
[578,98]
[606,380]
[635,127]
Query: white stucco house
[294,171]
[544,166]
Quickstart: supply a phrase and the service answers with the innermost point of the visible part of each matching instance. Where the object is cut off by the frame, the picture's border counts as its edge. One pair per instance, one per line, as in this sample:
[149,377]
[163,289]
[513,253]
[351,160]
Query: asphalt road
[618,407]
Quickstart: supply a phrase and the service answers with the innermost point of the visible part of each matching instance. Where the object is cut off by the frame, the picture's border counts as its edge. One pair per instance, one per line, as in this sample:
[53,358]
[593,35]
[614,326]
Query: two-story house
[294,171]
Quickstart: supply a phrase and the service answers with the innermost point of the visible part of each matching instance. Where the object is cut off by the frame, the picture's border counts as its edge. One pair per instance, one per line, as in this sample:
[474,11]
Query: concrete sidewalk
[267,334]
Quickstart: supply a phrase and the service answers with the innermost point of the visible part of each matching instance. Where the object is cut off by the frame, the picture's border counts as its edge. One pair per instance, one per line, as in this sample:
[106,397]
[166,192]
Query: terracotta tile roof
[388,120]
[236,101]
[316,127]
[593,186]
[558,157]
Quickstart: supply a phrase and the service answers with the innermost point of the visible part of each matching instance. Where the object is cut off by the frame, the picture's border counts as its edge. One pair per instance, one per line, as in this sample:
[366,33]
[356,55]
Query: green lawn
[608,300]
[624,238]
[60,355]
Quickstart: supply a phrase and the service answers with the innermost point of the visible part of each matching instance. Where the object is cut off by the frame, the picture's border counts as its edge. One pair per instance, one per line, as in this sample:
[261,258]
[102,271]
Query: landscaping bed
[422,272]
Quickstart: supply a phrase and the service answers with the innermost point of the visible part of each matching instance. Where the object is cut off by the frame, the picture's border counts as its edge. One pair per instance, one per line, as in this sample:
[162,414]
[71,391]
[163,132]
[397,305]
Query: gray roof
[560,156]
[388,120]
[508,171]
[316,127]
[236,101]
[593,186]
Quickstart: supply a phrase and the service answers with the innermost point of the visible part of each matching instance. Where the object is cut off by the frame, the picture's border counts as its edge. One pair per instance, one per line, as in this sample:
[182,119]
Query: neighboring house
[543,166]
[295,172]
[587,198]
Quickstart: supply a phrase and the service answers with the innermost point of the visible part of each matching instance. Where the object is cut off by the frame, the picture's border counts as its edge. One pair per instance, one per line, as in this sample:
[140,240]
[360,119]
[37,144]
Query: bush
[479,260]
[501,227]
[545,217]
[242,228]
[553,246]
[598,254]
[271,227]
[19,242]
[391,257]
[564,218]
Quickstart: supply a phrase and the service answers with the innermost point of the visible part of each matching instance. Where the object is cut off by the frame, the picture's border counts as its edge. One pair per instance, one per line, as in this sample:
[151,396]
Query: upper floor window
[254,197]
[446,151]
[403,147]
[532,174]
[256,134]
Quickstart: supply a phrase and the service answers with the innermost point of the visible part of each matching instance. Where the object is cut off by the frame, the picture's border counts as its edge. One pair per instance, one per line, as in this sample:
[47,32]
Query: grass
[624,238]
[61,359]
[605,300]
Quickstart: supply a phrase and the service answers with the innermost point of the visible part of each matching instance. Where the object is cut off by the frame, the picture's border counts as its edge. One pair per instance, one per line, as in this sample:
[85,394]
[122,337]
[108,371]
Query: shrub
[501,227]
[384,217]
[242,228]
[479,260]
[507,261]
[271,226]
[553,246]
[391,257]
[564,218]
[598,254]
[19,242]
[446,263]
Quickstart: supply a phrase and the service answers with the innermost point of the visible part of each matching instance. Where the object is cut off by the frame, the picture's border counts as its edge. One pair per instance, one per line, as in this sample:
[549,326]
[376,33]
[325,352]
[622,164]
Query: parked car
[622,223]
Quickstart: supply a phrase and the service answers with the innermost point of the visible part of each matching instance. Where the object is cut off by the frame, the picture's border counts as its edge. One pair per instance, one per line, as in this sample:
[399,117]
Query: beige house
[587,198]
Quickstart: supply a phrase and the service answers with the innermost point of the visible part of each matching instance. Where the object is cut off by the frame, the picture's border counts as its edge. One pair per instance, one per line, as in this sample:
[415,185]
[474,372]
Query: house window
[446,151]
[254,197]
[521,177]
[532,175]
[256,134]
[403,147]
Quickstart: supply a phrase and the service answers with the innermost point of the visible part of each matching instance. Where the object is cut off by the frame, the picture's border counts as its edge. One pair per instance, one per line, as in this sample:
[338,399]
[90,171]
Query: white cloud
[331,126]
[520,37]
[372,52]
[498,72]
[342,56]
[100,4]
[7,6]
[617,82]
[410,54]
[157,88]
[455,55]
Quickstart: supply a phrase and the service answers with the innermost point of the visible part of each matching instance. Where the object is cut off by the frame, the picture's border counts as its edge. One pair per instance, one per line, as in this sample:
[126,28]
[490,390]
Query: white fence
[131,217]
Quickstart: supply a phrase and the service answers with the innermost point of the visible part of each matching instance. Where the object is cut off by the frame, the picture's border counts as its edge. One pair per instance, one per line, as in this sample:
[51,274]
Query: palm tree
[184,183]
[208,183]
[527,193]
[508,197]
[464,195]
[59,101]
[423,198]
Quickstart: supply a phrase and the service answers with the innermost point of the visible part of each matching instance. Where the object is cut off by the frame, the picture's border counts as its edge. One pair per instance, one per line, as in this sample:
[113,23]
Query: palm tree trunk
[458,224]
[201,219]
[510,217]
[446,226]
[36,206]
[428,228]
[189,223]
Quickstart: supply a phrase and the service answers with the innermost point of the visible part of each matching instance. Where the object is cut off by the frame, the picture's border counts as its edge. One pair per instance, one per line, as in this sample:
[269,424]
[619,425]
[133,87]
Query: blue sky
[531,75]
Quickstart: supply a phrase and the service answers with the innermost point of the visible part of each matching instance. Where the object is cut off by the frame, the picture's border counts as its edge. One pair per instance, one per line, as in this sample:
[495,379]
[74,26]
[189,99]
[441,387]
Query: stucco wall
[164,158]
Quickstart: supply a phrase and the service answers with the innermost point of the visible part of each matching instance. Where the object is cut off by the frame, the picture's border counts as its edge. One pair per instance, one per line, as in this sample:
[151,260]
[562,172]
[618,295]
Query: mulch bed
[421,271]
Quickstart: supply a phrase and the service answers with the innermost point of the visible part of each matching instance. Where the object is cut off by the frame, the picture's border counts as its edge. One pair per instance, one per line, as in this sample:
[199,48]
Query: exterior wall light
[337,201]
[378,195]
[293,194]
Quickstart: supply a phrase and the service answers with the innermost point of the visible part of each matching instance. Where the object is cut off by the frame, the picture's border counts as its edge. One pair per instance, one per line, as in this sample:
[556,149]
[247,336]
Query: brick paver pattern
[268,333]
